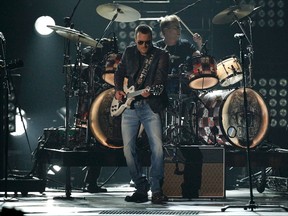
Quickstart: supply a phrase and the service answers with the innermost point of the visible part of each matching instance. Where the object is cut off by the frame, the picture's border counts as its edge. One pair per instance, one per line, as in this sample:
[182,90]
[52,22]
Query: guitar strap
[144,70]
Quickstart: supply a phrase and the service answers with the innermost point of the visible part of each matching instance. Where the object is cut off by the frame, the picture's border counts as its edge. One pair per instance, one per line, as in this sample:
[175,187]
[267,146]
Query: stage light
[41,25]
[11,110]
[271,14]
[53,169]
[19,128]
[273,89]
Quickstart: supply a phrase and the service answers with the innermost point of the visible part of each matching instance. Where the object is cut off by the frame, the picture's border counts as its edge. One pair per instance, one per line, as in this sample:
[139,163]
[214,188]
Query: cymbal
[124,13]
[75,35]
[233,13]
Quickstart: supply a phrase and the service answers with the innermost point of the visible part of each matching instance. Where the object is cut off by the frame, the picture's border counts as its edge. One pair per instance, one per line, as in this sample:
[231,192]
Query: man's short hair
[144,29]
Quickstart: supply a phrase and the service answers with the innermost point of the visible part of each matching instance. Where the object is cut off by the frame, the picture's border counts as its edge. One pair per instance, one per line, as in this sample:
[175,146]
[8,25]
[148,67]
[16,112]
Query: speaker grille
[196,178]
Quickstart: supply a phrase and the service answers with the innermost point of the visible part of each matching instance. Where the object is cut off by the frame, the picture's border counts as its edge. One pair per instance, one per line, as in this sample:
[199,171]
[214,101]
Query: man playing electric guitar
[145,66]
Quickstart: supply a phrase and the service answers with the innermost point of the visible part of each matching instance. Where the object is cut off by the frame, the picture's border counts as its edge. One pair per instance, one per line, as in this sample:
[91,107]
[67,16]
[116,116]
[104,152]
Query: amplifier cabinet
[194,172]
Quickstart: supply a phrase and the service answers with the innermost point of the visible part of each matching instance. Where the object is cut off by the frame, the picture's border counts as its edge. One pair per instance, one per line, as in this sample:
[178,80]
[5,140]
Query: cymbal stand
[68,93]
[174,129]
[92,67]
[251,205]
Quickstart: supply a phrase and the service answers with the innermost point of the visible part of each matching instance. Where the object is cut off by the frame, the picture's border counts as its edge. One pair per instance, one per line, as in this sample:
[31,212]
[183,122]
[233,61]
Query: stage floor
[54,202]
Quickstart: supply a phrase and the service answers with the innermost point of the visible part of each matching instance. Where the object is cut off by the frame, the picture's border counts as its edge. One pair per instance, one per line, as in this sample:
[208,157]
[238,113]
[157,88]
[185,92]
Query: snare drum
[203,73]
[229,71]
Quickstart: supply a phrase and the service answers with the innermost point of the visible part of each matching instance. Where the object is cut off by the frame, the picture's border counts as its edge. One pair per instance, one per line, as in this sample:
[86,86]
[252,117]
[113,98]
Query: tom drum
[202,74]
[229,71]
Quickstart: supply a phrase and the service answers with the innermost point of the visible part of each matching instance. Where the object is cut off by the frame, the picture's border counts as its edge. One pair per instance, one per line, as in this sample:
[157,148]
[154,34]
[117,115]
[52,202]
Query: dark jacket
[130,67]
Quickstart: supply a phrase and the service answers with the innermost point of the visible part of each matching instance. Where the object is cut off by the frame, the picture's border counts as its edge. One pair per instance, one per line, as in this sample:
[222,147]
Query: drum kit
[216,116]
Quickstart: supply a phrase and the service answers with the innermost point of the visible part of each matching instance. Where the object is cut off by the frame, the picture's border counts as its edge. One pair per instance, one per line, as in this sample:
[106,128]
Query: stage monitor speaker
[195,172]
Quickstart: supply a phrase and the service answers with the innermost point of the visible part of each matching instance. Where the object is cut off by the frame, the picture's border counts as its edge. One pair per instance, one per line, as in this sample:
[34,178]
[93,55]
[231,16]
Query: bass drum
[221,120]
[106,129]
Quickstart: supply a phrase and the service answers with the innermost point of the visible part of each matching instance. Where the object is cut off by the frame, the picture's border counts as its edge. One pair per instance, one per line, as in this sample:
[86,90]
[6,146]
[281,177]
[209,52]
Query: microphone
[2,36]
[239,35]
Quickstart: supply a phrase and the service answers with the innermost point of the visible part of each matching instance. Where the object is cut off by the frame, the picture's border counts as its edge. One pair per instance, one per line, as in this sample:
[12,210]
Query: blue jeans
[131,120]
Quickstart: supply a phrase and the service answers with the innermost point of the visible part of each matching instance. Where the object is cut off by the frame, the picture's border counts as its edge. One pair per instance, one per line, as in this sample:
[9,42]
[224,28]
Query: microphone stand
[251,205]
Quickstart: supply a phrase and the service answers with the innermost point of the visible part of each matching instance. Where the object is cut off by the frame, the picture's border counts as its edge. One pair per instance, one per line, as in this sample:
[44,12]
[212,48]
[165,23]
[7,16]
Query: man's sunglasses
[148,43]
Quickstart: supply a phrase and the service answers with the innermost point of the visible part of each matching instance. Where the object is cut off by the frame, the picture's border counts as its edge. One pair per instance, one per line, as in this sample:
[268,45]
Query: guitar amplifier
[195,172]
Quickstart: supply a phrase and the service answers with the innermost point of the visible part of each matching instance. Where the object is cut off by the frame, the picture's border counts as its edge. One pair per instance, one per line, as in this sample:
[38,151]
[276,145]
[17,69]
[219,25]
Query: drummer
[180,49]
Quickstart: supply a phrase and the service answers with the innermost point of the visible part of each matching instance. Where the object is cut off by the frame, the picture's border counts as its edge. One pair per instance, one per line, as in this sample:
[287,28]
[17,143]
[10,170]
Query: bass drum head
[233,118]
[106,129]
[220,115]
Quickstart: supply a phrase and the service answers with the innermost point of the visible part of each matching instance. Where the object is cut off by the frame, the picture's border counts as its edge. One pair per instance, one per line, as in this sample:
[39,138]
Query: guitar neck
[135,93]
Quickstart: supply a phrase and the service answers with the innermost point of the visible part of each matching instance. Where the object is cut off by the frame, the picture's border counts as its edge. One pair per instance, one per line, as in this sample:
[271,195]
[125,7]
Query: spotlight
[19,128]
[53,169]
[41,25]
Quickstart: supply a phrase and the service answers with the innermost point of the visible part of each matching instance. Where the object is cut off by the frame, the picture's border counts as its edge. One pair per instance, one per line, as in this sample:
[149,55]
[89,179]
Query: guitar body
[117,107]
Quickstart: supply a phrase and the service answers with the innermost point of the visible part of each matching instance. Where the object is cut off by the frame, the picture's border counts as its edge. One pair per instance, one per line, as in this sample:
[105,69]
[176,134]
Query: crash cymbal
[124,13]
[75,35]
[233,13]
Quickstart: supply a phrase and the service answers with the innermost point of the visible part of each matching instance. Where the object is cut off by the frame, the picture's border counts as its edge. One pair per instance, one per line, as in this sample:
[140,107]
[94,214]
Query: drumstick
[186,27]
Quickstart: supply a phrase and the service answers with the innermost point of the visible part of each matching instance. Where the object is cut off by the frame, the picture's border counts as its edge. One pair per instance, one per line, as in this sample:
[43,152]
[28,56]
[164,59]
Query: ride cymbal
[232,13]
[121,12]
[75,35]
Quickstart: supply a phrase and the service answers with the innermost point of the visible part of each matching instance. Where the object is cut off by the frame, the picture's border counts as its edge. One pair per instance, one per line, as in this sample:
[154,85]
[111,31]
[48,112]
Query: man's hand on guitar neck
[145,93]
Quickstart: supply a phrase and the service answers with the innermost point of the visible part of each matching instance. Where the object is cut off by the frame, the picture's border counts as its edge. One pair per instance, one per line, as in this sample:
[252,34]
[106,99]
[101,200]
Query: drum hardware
[70,34]
[173,131]
[234,14]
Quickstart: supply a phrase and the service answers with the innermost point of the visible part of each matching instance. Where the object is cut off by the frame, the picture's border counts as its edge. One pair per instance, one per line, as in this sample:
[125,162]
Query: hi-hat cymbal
[123,13]
[75,35]
[232,13]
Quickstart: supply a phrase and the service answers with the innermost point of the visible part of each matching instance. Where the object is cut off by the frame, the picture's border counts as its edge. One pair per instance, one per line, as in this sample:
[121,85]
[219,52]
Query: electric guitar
[117,107]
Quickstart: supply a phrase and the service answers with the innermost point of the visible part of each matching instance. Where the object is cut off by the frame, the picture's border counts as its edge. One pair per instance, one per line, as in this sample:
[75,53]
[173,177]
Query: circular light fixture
[41,25]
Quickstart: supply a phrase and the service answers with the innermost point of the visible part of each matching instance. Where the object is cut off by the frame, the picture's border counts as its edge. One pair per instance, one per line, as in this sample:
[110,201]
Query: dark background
[40,87]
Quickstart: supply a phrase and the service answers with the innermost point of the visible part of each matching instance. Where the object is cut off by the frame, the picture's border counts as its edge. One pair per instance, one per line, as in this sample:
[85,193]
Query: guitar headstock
[156,90]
